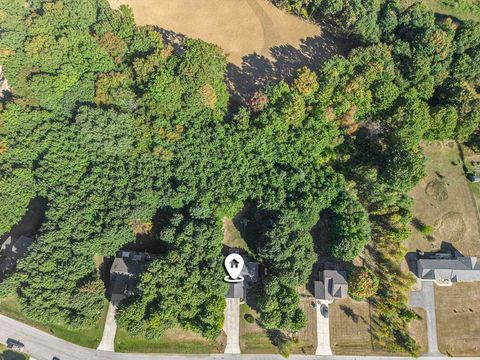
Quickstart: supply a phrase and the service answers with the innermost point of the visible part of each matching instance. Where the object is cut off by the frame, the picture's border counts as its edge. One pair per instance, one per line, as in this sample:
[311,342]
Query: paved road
[43,346]
[425,298]
[110,329]
[231,326]
[323,331]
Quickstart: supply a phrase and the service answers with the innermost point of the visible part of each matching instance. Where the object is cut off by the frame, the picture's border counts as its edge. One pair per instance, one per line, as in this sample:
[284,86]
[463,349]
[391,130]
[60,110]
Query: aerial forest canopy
[111,126]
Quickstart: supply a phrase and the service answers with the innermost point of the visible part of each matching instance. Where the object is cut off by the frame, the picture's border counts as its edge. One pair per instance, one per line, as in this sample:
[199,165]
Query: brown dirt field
[458,319]
[263,43]
[444,201]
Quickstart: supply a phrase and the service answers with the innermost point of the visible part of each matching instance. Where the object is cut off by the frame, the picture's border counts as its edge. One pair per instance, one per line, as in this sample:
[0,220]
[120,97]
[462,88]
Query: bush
[426,230]
[249,318]
[362,283]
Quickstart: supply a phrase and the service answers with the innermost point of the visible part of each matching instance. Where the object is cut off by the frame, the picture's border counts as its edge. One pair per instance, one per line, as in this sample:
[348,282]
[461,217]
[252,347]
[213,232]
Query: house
[125,271]
[234,264]
[332,285]
[238,290]
[447,268]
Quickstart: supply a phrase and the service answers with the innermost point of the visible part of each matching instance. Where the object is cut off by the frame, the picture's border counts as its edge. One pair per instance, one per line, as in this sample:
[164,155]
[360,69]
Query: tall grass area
[87,337]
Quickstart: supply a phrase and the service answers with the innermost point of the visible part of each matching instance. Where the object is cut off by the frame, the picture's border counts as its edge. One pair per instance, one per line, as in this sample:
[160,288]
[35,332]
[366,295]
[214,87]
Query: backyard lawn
[444,201]
[88,337]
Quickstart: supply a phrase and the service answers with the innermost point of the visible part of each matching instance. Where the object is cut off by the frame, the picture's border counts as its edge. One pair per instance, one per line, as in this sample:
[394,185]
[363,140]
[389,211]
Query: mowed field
[444,201]
[263,44]
[458,319]
[239,27]
[350,329]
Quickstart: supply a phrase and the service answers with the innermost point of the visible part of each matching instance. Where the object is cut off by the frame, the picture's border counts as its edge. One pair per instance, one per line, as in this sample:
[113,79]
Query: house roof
[332,285]
[455,269]
[236,290]
[125,266]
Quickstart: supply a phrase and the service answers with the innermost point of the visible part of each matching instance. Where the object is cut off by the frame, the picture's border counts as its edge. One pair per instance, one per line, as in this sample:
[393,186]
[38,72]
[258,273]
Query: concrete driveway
[323,330]
[110,329]
[231,326]
[425,298]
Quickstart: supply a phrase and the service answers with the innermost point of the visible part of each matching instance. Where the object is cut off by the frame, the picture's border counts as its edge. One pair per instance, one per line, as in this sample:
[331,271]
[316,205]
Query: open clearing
[444,201]
[458,319]
[263,43]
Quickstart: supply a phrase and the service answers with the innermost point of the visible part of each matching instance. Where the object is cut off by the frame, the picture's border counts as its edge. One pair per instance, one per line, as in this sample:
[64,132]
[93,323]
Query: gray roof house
[448,268]
[238,290]
[125,270]
[332,285]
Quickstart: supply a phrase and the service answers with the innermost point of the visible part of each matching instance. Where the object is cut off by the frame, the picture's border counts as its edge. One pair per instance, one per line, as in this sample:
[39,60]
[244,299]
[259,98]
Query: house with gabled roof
[332,284]
[447,268]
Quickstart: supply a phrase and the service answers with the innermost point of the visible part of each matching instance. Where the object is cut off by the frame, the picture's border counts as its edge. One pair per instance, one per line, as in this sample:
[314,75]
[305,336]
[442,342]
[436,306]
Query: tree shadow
[11,355]
[258,71]
[351,314]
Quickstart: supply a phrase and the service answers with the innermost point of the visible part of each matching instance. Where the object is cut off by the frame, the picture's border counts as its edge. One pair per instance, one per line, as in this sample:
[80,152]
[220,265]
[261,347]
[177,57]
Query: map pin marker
[234,265]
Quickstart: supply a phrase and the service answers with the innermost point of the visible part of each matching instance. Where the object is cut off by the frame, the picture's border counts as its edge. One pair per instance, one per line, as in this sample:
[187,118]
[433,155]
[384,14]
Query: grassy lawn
[460,9]
[173,341]
[458,319]
[88,337]
[350,327]
[254,339]
[232,237]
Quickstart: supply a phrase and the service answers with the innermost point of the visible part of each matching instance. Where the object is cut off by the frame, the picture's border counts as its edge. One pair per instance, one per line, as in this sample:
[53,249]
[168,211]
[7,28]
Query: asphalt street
[43,346]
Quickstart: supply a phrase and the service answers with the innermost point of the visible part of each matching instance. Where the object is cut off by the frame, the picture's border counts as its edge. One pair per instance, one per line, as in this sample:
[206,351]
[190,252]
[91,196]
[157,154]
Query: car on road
[15,345]
[324,310]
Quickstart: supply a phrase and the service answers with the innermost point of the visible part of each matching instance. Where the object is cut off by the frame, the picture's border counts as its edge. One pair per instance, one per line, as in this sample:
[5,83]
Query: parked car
[324,310]
[15,345]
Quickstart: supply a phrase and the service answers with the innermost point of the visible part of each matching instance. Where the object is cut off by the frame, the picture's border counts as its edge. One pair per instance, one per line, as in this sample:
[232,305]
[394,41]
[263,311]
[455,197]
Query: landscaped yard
[443,200]
[173,341]
[88,337]
[458,319]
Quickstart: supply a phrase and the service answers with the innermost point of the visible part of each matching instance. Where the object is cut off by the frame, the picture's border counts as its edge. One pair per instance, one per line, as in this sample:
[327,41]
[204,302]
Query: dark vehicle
[55,358]
[324,310]
[15,345]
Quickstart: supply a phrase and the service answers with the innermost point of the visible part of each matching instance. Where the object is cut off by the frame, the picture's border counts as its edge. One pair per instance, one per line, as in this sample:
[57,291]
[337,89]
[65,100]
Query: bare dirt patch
[263,43]
[458,319]
[443,200]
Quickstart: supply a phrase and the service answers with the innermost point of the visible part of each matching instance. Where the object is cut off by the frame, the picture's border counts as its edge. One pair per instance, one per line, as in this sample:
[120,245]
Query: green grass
[173,341]
[460,9]
[253,339]
[475,189]
[88,337]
